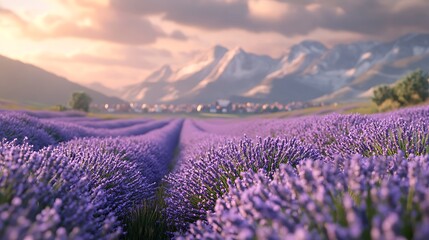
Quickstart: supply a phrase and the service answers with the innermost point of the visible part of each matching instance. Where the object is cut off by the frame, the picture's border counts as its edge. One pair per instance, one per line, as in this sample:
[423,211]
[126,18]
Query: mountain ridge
[307,71]
[27,83]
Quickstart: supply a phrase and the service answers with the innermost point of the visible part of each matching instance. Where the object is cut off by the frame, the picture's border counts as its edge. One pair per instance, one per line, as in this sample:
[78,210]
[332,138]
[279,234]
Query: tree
[413,88]
[80,101]
[383,93]
[389,105]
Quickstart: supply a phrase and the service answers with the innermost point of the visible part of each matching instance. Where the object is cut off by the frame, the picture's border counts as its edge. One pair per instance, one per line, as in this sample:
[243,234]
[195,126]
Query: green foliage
[413,89]
[389,105]
[80,101]
[382,94]
[58,108]
[148,221]
[410,90]
[62,108]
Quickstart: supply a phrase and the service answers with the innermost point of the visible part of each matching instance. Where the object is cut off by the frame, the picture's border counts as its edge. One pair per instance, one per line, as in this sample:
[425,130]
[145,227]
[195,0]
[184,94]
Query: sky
[120,42]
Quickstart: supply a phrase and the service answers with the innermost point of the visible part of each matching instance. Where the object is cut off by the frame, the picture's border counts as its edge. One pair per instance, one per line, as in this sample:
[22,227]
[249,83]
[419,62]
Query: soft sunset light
[214,119]
[119,42]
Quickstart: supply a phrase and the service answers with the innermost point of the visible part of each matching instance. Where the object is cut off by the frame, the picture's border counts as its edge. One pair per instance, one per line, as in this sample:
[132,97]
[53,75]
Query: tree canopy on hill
[410,90]
[80,101]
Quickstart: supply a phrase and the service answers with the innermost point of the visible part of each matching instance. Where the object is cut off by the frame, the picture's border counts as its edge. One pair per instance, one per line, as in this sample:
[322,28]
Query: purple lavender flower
[349,198]
[195,188]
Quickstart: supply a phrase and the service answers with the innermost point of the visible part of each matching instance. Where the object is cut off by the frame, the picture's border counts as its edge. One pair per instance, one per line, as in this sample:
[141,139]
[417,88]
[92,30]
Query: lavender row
[351,198]
[224,127]
[102,123]
[46,196]
[369,135]
[50,114]
[195,142]
[213,158]
[42,132]
[195,187]
[80,189]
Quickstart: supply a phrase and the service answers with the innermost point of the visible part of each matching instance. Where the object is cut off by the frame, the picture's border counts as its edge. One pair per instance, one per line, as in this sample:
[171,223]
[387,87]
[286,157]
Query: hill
[26,83]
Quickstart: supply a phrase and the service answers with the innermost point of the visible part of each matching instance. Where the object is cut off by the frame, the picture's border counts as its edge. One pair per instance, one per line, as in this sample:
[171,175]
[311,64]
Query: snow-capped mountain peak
[237,66]
[421,39]
[219,51]
[307,71]
[204,61]
[161,75]
[305,48]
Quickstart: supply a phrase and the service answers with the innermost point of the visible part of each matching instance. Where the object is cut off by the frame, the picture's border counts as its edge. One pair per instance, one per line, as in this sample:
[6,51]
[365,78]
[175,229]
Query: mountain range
[307,71]
[28,84]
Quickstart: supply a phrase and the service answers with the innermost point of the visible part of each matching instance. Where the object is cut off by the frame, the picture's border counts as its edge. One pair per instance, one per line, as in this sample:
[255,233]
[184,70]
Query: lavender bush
[194,189]
[352,198]
[46,132]
[109,124]
[346,135]
[44,197]
[67,176]
[81,189]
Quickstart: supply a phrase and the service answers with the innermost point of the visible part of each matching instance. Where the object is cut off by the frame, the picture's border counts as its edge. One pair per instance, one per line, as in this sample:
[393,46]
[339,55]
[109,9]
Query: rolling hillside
[29,84]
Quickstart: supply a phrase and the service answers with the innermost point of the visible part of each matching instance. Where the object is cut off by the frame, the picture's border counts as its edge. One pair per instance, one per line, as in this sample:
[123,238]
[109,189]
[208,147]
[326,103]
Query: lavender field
[69,176]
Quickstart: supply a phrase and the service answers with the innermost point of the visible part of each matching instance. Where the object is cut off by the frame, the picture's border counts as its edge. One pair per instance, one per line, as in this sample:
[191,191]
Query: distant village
[219,107]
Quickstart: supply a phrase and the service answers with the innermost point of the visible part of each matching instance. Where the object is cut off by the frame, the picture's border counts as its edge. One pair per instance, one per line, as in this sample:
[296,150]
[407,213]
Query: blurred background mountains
[308,72]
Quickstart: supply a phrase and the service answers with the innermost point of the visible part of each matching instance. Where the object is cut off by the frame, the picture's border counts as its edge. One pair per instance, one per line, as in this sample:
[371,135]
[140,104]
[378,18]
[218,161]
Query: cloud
[289,17]
[89,20]
[109,27]
[178,35]
[128,57]
[8,17]
[127,21]
[269,10]
[83,4]
[84,58]
[212,14]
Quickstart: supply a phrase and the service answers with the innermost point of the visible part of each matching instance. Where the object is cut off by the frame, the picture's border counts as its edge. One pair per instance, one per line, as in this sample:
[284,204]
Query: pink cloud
[373,18]
[102,24]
